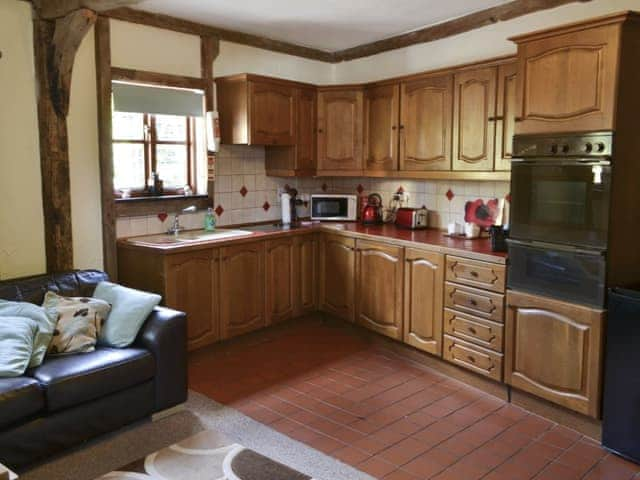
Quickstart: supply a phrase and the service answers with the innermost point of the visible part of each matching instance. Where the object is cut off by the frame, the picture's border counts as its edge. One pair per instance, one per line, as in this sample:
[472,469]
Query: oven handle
[561,162]
[556,246]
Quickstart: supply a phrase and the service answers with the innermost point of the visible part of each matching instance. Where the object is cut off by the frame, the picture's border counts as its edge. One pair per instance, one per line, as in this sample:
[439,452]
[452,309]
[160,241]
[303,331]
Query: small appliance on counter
[413,218]
[372,211]
[334,207]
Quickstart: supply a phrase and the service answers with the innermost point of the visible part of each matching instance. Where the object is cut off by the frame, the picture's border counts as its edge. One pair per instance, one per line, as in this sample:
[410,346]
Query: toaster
[413,218]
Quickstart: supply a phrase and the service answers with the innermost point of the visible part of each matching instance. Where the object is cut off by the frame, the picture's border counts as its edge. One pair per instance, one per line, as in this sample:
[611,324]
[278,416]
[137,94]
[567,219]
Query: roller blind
[157,100]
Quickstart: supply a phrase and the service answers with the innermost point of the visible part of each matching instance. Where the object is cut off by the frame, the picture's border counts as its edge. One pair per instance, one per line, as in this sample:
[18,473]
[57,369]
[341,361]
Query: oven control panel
[584,145]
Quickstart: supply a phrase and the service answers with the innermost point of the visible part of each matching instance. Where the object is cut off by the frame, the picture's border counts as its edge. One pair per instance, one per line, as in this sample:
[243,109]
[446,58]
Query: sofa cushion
[73,379]
[20,398]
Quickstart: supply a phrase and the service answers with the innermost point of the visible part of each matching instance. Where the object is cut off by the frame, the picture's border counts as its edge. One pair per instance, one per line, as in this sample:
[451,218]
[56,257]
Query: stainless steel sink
[189,237]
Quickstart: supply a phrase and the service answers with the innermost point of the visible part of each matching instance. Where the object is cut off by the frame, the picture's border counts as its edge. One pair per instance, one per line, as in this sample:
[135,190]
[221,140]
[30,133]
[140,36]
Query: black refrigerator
[621,403]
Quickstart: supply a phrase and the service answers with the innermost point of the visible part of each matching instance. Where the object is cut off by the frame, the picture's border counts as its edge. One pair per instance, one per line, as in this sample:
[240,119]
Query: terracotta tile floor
[327,385]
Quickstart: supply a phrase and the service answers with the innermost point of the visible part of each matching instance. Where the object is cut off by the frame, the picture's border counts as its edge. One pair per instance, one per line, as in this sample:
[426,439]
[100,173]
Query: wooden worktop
[430,239]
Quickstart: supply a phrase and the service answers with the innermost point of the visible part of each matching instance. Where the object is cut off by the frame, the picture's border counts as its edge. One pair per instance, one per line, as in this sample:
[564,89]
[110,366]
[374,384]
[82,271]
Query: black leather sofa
[71,399]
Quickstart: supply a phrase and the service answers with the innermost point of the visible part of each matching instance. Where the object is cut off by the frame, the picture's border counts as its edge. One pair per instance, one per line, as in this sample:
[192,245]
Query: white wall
[84,164]
[480,44]
[21,219]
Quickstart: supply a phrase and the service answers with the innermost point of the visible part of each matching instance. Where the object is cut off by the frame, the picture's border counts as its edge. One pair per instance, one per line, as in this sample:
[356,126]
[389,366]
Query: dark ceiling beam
[508,11]
[185,26]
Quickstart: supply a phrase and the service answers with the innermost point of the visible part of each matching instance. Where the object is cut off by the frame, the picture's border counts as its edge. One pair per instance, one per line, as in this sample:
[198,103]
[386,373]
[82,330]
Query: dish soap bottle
[209,220]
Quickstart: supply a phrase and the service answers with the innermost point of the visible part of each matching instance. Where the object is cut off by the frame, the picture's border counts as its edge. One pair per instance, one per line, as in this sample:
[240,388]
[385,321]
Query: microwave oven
[334,207]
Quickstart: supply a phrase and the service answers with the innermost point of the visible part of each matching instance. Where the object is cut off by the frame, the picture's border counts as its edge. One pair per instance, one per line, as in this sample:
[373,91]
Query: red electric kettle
[372,211]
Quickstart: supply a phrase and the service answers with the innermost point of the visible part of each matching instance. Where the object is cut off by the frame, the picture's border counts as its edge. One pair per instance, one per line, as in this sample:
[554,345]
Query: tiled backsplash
[244,194]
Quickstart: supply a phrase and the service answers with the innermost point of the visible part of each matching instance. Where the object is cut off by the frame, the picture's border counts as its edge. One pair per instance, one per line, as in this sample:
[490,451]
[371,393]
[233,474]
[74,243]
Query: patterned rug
[206,456]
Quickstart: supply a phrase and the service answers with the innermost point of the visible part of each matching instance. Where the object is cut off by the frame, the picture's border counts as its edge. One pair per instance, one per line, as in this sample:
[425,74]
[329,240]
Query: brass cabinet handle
[473,330]
[518,119]
[494,119]
[471,359]
[393,127]
[474,274]
[473,302]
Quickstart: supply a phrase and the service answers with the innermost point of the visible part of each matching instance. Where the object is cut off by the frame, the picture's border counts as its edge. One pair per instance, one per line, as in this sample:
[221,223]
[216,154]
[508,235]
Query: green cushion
[129,310]
[46,323]
[16,345]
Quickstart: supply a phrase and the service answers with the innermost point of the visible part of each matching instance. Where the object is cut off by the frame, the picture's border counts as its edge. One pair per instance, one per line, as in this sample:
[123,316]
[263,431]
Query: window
[147,143]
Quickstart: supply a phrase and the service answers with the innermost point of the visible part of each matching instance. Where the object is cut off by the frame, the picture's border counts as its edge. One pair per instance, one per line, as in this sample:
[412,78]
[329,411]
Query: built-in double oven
[560,204]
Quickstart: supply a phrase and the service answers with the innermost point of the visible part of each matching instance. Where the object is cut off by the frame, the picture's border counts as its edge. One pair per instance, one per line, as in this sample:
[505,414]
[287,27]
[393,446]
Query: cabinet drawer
[474,329]
[476,274]
[476,302]
[478,359]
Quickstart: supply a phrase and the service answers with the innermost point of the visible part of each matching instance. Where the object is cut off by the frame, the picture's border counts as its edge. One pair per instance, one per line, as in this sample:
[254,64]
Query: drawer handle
[474,274]
[473,302]
[471,359]
[473,330]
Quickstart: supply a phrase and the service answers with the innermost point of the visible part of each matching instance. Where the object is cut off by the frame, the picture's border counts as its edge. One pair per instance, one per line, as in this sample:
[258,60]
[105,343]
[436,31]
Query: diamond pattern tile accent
[360,189]
[266,206]
[450,194]
[162,216]
[400,189]
[219,210]
[244,191]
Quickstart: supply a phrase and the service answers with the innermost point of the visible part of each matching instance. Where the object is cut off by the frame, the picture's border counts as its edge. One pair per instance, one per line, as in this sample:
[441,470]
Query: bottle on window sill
[209,220]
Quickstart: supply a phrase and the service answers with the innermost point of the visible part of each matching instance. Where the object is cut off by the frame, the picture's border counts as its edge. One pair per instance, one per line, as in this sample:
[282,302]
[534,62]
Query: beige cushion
[79,321]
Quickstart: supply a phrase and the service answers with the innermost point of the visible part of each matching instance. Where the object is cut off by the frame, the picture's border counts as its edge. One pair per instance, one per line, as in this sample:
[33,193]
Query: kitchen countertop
[431,239]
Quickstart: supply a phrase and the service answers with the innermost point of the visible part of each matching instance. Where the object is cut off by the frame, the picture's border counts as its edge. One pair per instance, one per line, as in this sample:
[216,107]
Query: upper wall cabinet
[507,106]
[256,111]
[381,116]
[425,142]
[474,107]
[340,129]
[567,78]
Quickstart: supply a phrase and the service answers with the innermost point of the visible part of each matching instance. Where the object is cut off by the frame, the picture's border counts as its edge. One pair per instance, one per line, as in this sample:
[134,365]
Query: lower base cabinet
[337,276]
[242,289]
[472,357]
[423,293]
[379,287]
[554,350]
[305,274]
[280,280]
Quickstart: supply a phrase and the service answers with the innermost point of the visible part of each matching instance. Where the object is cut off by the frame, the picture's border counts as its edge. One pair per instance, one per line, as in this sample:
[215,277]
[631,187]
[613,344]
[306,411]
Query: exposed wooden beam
[184,26]
[55,45]
[154,78]
[51,9]
[105,145]
[459,25]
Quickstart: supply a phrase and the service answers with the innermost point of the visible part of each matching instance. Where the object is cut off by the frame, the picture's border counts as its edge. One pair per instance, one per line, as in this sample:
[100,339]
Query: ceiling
[328,25]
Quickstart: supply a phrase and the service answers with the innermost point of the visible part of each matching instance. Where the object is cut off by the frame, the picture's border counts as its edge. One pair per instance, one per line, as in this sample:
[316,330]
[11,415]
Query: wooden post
[105,145]
[56,43]
[209,50]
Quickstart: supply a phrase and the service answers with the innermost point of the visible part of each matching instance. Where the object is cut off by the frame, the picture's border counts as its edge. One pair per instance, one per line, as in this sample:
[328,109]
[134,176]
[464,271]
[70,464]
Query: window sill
[152,205]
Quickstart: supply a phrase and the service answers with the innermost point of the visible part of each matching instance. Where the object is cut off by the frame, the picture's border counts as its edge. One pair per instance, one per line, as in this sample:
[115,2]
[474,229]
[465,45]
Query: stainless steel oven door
[561,201]
[569,274]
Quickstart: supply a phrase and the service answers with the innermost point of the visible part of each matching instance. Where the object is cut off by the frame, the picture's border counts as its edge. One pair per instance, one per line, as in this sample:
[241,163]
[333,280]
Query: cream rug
[206,456]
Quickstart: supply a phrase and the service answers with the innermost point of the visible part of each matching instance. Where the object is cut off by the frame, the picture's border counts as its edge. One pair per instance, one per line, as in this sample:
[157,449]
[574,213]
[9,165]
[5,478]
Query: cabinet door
[423,293]
[306,257]
[242,289]
[567,83]
[280,279]
[340,116]
[425,141]
[337,276]
[553,349]
[192,287]
[379,287]
[507,106]
[273,114]
[381,113]
[474,106]
[307,116]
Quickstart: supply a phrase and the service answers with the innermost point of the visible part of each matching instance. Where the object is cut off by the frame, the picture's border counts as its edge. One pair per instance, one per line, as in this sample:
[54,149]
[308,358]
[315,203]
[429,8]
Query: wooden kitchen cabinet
[257,110]
[381,116]
[507,112]
[242,296]
[425,125]
[423,292]
[475,273]
[379,287]
[338,276]
[567,77]
[474,110]
[191,286]
[280,288]
[299,159]
[306,263]
[554,350]
[340,130]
